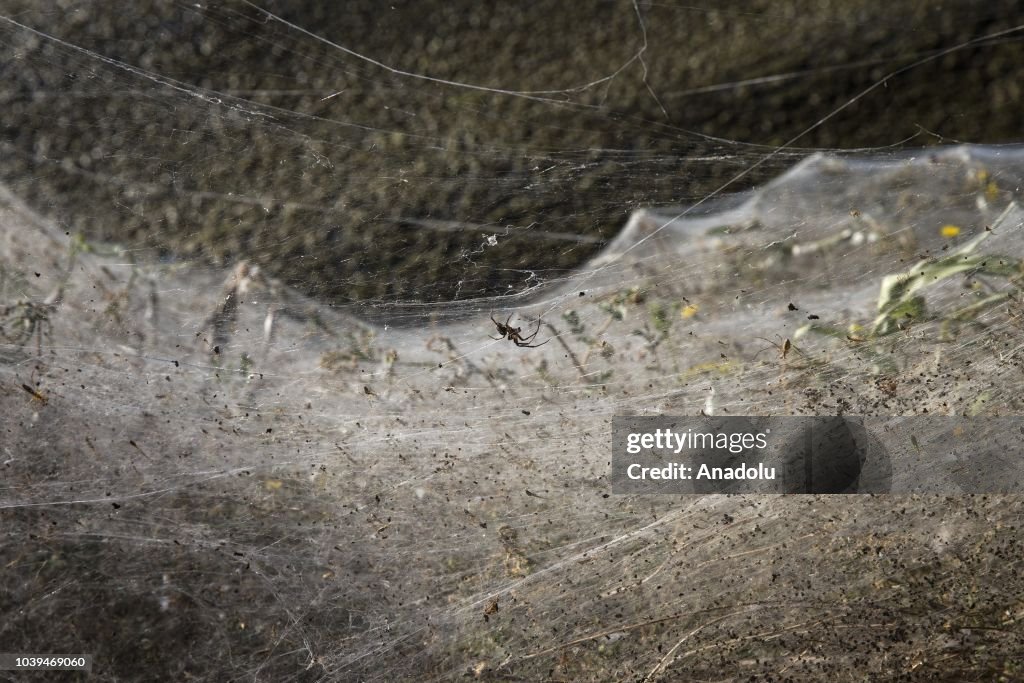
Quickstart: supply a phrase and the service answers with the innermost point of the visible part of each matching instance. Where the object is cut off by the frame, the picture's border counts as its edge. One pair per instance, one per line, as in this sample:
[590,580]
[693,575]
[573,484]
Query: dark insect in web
[505,330]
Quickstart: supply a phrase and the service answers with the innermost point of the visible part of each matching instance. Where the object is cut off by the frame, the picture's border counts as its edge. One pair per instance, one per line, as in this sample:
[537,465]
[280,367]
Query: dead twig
[575,361]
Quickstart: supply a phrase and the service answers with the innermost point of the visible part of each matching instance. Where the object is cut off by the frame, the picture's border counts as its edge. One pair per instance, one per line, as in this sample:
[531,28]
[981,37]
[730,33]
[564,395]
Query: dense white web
[218,468]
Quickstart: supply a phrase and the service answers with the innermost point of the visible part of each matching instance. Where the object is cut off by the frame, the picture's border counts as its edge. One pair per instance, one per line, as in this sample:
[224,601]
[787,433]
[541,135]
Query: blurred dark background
[217,132]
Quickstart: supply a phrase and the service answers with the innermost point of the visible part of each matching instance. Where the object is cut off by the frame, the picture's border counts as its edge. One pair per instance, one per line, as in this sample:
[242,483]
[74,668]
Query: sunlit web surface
[212,472]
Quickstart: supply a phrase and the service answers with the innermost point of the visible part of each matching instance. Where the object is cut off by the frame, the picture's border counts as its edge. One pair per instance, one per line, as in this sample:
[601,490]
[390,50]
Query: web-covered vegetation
[270,490]
[209,473]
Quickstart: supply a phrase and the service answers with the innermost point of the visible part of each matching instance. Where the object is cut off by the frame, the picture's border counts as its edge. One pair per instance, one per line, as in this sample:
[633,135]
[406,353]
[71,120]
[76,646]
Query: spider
[27,318]
[515,334]
[784,348]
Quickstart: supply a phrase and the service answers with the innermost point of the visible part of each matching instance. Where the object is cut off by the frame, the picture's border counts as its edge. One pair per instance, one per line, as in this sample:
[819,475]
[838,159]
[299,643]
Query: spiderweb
[254,427]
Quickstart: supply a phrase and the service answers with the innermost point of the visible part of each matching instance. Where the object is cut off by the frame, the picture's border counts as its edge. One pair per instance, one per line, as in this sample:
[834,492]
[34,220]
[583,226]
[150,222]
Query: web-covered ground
[253,427]
[209,476]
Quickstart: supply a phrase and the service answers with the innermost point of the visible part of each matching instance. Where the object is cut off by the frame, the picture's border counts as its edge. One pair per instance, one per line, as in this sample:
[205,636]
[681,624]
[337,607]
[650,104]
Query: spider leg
[525,341]
[530,337]
[532,346]
[495,338]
